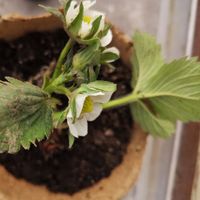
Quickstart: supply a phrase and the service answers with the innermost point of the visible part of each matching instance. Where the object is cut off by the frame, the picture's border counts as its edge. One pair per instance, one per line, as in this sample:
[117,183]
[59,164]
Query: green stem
[121,101]
[62,57]
[57,83]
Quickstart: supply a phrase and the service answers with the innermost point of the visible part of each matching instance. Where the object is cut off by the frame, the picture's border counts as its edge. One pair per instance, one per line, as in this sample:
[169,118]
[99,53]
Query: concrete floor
[129,15]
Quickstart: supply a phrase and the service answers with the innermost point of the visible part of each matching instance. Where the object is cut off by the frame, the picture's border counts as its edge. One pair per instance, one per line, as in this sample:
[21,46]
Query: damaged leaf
[25,115]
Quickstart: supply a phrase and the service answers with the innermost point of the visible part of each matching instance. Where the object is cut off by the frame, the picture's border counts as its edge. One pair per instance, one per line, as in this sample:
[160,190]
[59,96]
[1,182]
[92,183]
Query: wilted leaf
[24,113]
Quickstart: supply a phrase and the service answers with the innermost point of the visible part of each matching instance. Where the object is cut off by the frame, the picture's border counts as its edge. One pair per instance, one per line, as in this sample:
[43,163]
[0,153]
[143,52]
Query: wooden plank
[196,183]
[187,162]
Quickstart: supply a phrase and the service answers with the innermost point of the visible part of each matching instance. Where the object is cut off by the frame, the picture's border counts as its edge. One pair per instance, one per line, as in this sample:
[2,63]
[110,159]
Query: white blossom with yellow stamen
[88,108]
[89,17]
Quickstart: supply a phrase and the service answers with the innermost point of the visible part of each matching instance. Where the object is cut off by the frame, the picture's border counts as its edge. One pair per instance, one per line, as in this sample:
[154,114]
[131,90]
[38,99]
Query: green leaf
[146,59]
[180,78]
[149,122]
[90,40]
[86,57]
[67,66]
[54,84]
[71,140]
[59,118]
[103,86]
[174,109]
[104,31]
[92,74]
[177,95]
[95,87]
[95,27]
[108,57]
[73,108]
[25,115]
[76,24]
[172,90]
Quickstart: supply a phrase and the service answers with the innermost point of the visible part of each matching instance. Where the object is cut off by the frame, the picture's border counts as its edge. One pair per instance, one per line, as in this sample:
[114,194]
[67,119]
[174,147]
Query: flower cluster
[87,28]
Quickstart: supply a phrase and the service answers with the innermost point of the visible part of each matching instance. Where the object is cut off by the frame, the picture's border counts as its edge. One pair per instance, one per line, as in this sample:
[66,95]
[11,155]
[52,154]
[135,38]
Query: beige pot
[121,179]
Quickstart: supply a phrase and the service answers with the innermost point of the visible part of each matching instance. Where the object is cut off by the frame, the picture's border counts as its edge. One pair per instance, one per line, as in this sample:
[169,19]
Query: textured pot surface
[122,178]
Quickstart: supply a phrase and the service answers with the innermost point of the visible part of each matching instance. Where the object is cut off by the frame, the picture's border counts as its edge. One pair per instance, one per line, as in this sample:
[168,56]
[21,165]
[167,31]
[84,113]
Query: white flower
[88,108]
[89,17]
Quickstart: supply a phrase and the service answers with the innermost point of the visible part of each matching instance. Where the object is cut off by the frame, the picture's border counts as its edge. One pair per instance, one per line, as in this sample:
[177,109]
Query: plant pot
[122,177]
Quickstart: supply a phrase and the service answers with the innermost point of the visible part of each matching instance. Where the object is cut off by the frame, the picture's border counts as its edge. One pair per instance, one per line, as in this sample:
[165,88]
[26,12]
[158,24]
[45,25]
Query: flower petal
[95,113]
[80,99]
[102,23]
[79,128]
[106,40]
[72,12]
[95,14]
[102,98]
[85,29]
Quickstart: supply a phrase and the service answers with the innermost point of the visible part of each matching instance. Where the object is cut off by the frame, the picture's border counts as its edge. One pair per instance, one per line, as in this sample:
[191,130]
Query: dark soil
[51,163]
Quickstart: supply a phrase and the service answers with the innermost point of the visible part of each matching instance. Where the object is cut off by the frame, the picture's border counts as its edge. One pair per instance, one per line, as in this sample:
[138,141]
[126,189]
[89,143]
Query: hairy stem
[62,58]
[121,101]
[57,83]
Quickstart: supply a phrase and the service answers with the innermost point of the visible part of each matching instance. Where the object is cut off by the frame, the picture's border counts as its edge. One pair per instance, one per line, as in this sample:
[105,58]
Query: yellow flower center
[87,19]
[88,105]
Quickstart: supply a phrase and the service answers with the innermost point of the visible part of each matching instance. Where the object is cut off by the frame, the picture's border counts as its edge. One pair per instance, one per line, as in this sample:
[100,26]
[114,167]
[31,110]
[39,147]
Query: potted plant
[63,94]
